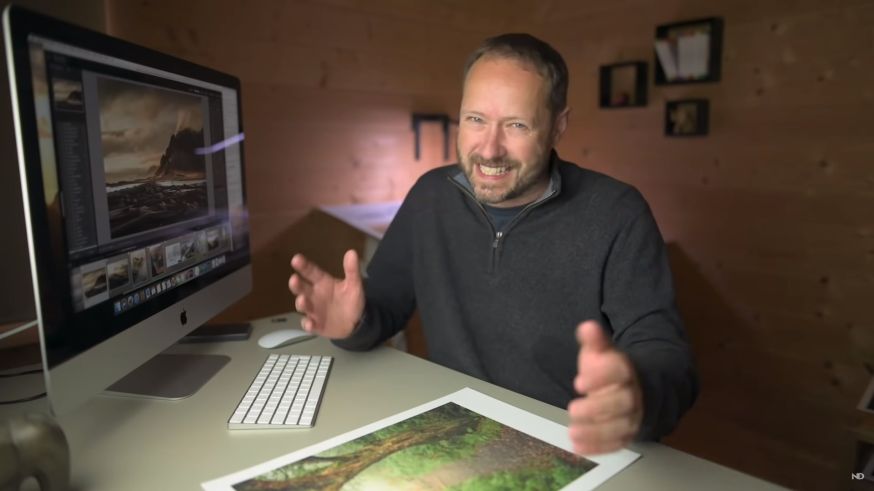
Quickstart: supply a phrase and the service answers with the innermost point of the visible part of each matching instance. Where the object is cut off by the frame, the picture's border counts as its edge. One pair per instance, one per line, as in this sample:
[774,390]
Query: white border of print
[530,424]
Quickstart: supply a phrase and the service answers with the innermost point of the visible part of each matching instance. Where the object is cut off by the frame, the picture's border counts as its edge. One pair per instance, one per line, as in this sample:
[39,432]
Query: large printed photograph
[449,447]
[154,176]
[464,441]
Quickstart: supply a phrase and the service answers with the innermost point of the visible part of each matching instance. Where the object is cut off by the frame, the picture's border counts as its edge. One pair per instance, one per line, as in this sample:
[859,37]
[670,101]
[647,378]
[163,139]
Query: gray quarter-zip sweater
[504,307]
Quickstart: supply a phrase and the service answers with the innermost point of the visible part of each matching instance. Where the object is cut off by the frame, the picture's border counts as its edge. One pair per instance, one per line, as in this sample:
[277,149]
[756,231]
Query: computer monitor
[131,168]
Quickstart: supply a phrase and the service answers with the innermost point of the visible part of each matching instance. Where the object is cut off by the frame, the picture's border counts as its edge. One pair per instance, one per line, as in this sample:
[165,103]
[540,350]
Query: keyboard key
[285,393]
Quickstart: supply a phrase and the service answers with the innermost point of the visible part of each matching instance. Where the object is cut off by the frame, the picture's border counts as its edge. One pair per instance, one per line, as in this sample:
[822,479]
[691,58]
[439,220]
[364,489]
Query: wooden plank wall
[768,218]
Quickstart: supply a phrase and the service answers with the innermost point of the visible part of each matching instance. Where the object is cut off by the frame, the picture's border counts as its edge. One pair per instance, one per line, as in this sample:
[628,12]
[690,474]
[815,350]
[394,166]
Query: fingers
[303,305]
[313,289]
[298,285]
[302,290]
[307,324]
[610,415]
[604,421]
[599,364]
[301,285]
[602,405]
[602,370]
[592,337]
[600,438]
[307,269]
[351,267]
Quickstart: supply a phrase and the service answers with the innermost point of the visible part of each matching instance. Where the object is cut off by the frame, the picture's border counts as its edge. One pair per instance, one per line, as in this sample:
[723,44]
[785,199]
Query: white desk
[131,444]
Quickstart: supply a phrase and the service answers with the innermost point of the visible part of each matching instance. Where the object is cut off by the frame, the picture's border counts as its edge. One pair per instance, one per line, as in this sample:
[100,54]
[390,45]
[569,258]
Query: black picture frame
[623,85]
[683,41]
[687,117]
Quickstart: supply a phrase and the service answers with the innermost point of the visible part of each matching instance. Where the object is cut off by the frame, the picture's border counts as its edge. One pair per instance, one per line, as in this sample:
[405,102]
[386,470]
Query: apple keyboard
[286,393]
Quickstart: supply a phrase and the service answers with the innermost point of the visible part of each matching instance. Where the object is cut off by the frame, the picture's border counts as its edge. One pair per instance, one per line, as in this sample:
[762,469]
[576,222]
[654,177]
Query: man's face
[506,132]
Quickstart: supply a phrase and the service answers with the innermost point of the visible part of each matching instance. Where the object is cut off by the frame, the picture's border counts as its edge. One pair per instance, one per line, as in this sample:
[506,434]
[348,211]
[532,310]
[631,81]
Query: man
[505,253]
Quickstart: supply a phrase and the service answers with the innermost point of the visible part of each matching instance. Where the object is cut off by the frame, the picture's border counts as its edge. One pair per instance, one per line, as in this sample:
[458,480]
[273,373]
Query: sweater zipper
[496,243]
[497,240]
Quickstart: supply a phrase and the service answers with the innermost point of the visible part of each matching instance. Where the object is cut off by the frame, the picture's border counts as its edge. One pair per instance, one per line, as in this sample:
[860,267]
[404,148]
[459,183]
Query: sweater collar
[554,186]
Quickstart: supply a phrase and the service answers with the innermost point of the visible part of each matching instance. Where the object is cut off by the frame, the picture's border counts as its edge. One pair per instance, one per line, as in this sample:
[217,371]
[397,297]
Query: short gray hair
[528,49]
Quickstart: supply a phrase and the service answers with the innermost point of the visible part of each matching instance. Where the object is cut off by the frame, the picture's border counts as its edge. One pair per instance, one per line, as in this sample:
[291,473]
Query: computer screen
[131,166]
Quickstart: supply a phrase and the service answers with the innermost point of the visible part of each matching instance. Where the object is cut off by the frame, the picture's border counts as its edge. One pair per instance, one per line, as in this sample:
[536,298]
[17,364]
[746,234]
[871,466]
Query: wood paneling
[769,217]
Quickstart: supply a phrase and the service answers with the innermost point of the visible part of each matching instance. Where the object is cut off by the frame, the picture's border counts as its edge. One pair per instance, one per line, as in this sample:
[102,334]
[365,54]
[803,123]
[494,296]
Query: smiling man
[506,131]
[528,271]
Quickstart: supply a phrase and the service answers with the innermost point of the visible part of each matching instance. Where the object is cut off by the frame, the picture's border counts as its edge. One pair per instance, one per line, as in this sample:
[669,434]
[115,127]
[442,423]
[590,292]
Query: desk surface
[125,443]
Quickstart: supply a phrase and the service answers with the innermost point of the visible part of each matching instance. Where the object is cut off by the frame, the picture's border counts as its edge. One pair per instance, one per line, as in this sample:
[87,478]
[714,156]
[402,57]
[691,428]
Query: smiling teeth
[493,171]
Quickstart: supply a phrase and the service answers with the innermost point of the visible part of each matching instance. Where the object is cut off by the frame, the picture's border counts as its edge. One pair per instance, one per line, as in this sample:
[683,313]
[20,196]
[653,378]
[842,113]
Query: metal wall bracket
[419,118]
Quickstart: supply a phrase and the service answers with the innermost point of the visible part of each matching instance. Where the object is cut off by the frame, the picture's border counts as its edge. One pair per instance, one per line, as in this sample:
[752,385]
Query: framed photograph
[688,52]
[623,85]
[687,117]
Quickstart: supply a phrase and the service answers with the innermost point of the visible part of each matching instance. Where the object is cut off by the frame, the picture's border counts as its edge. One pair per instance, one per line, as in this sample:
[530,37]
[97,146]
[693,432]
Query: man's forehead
[491,78]
[516,61]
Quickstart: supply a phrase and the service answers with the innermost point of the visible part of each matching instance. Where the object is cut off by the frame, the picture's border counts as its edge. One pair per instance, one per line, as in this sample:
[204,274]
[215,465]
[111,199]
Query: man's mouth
[493,171]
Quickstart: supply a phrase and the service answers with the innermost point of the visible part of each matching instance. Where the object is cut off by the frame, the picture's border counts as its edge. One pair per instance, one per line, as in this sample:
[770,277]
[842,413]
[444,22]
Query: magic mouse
[283,337]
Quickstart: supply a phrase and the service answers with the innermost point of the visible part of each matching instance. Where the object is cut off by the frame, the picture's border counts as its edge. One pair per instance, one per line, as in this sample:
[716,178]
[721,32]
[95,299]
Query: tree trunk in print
[342,468]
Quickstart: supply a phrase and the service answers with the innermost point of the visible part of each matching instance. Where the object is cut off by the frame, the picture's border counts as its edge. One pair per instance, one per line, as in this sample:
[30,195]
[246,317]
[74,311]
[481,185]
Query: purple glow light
[220,145]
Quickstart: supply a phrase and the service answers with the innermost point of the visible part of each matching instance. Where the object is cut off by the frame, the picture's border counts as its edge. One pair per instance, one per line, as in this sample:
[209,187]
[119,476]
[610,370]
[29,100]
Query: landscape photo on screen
[94,282]
[449,447]
[156,259]
[154,177]
[119,272]
[67,94]
[139,271]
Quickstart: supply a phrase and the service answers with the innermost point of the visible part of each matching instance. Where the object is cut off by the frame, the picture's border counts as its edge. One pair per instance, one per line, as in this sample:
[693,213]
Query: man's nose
[493,144]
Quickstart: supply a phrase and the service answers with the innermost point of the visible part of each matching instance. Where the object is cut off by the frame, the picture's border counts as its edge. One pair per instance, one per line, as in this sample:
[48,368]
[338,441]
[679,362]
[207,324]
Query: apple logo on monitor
[183,318]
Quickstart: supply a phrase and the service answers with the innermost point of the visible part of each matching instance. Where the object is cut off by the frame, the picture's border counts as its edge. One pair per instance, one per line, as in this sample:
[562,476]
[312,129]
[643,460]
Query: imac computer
[133,201]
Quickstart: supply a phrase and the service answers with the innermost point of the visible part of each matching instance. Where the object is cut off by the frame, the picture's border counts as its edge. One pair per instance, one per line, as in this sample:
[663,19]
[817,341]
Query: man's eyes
[514,125]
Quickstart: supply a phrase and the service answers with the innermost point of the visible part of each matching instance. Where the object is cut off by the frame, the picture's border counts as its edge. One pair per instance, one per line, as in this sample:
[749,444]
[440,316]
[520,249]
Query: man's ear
[560,125]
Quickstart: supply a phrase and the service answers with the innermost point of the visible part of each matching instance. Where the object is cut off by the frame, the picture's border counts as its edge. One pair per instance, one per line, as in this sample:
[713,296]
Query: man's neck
[530,196]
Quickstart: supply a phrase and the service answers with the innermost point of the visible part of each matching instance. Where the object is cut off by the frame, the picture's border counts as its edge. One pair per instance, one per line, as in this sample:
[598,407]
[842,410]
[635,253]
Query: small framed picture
[688,52]
[623,85]
[687,117]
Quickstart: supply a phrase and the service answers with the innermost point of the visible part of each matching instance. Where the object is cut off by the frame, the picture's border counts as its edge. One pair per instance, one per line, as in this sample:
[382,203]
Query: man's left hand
[608,415]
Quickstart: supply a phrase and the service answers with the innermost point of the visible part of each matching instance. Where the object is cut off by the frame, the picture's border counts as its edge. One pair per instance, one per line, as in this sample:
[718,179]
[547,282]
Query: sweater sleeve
[638,301]
[388,289]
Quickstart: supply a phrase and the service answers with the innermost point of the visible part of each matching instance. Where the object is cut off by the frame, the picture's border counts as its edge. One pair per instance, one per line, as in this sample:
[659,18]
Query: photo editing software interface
[144,167]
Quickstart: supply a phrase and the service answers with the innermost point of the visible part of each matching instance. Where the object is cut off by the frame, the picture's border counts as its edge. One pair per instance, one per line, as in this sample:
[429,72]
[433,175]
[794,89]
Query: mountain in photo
[179,161]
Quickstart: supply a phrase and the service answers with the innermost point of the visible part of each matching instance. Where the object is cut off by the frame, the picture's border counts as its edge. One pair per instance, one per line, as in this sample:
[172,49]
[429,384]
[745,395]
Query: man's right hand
[331,307]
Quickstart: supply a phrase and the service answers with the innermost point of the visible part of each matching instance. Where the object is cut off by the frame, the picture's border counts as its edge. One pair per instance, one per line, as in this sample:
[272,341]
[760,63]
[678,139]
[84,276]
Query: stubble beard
[497,194]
